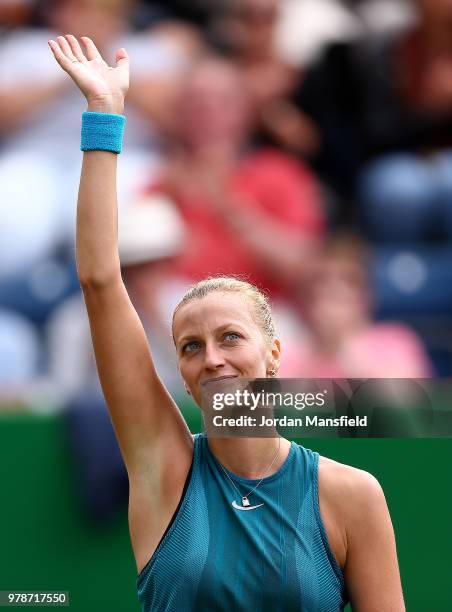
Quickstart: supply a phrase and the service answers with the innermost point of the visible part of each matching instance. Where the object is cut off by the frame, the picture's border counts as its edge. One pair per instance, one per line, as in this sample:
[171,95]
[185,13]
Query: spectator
[388,98]
[249,31]
[342,340]
[412,181]
[257,212]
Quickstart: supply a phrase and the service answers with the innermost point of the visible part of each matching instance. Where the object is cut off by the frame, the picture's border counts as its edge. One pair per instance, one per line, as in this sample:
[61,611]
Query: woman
[318,532]
[253,208]
[342,338]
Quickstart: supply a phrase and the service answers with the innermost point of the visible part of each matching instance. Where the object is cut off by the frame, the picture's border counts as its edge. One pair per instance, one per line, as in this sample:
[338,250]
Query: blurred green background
[46,544]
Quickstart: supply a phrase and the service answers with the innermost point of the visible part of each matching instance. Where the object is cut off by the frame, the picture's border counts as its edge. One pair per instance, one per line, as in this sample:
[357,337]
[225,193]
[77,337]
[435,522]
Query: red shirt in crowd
[270,184]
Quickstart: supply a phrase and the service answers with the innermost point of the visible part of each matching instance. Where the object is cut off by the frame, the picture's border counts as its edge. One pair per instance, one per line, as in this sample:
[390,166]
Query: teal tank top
[214,558]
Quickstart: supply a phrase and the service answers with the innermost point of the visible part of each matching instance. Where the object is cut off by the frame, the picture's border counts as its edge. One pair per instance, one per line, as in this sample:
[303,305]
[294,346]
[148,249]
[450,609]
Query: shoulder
[351,502]
[346,477]
[369,560]
[349,488]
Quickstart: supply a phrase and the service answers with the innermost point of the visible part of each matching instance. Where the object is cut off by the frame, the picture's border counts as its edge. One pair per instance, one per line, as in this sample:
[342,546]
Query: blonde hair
[258,299]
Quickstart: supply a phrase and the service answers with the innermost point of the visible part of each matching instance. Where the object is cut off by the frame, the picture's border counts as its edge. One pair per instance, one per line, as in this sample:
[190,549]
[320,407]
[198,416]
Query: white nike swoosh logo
[237,507]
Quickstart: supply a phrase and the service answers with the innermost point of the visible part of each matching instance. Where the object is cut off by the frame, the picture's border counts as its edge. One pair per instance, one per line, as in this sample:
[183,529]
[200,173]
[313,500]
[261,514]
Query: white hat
[149,230]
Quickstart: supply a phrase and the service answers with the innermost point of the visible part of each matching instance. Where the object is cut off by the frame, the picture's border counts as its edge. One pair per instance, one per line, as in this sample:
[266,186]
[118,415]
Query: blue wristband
[102,132]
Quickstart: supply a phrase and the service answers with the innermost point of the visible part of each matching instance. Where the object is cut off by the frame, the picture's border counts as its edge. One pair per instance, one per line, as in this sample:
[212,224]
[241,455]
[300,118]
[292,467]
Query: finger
[122,59]
[91,50]
[65,48]
[76,48]
[60,57]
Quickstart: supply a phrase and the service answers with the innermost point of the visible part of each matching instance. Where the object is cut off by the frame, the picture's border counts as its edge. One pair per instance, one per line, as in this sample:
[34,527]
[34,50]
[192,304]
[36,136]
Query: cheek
[253,362]
[187,369]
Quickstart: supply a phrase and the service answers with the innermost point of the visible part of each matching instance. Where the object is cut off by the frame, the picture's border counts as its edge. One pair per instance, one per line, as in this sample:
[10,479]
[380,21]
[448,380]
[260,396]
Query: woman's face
[216,337]
[338,296]
[214,107]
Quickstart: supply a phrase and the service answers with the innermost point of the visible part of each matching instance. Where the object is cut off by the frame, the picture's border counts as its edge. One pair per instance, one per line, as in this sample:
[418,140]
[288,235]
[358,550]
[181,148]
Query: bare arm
[371,569]
[150,429]
[285,253]
[361,536]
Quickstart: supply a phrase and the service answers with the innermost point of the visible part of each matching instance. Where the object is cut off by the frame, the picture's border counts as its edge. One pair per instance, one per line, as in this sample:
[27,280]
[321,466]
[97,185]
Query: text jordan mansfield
[285,421]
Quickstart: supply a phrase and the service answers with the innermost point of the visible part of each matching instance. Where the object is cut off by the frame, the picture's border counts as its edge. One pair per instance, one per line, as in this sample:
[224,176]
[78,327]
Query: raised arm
[150,429]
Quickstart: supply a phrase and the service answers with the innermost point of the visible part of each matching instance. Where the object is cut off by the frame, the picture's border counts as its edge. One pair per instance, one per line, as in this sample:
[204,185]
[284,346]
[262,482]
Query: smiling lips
[219,378]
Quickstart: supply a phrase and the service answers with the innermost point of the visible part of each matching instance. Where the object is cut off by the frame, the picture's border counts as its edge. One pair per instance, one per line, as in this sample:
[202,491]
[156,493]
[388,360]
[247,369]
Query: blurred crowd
[305,145]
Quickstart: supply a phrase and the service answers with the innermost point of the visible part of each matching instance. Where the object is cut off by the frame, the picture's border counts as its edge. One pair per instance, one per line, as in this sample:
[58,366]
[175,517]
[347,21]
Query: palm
[96,78]
[89,70]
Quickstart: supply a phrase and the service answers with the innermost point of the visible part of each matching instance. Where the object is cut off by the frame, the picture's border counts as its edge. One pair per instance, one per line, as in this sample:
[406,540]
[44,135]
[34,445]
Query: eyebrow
[218,329]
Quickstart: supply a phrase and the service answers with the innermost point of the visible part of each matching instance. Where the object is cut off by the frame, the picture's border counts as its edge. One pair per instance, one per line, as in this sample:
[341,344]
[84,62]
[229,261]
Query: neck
[250,457]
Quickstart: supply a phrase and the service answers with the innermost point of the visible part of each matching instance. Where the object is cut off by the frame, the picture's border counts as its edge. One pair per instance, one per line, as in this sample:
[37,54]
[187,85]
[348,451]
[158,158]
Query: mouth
[209,380]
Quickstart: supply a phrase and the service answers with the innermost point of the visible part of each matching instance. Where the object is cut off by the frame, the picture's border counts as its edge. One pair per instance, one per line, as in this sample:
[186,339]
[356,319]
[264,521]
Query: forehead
[212,311]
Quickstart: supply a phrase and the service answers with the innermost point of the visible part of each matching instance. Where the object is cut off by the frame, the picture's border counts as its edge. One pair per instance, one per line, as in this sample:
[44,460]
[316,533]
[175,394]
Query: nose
[213,357]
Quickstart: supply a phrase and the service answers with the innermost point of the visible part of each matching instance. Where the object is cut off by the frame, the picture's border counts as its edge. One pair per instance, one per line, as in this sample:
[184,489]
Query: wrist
[102,131]
[106,104]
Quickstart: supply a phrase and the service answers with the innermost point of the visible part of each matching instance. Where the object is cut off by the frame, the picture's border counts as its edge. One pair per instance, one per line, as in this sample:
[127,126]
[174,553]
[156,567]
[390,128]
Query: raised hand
[104,87]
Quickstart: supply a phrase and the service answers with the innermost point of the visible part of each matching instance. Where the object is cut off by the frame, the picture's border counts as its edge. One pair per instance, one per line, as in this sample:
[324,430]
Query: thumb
[122,59]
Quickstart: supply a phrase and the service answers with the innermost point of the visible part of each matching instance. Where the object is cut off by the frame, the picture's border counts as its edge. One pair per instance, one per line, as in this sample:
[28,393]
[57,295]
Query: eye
[232,336]
[190,347]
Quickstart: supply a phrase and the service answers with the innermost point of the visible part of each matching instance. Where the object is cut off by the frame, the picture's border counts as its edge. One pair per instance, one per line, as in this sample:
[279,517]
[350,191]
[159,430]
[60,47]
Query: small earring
[187,390]
[272,373]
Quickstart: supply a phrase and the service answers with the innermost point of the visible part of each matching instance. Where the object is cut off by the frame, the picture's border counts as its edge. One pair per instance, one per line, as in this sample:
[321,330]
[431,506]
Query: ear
[275,356]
